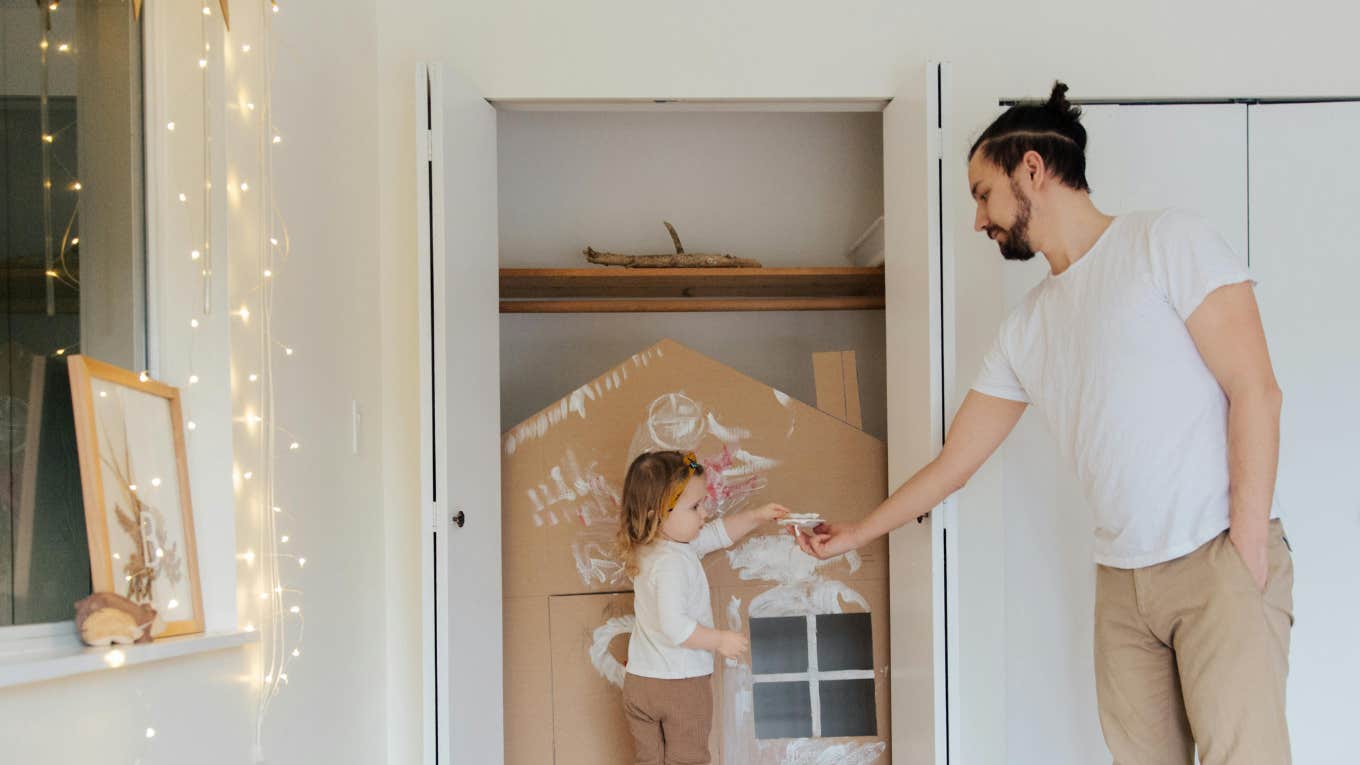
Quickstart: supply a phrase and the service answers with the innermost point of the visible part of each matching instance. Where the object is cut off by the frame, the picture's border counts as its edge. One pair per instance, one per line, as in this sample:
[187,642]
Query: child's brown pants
[669,719]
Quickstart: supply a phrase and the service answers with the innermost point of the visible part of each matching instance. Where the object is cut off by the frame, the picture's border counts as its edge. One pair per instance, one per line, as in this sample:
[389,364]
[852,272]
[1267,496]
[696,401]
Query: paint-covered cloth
[670,599]
[1103,352]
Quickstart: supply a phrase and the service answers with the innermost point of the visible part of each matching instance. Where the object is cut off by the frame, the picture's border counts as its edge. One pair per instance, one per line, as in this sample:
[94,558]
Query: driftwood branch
[679,248]
[680,259]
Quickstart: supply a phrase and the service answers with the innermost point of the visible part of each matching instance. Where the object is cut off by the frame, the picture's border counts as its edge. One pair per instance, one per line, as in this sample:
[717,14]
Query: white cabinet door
[460,406]
[915,358]
[1138,157]
[1304,235]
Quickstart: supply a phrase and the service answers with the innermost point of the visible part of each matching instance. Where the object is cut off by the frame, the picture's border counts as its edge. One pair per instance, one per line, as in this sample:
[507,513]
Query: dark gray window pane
[848,708]
[783,710]
[844,641]
[779,645]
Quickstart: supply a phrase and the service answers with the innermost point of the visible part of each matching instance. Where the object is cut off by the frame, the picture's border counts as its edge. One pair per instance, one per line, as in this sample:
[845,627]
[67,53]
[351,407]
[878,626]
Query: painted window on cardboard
[813,676]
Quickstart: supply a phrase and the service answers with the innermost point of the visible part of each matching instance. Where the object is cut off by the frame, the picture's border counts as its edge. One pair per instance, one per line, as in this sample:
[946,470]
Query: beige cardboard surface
[528,682]
[562,474]
[837,384]
[562,470]
[588,724]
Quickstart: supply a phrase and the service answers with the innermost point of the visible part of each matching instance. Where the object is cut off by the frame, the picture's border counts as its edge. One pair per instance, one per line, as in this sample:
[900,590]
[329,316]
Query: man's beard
[1016,245]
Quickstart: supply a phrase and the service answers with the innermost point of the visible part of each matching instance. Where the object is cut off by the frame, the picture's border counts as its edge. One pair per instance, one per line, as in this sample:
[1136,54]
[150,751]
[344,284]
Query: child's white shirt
[671,599]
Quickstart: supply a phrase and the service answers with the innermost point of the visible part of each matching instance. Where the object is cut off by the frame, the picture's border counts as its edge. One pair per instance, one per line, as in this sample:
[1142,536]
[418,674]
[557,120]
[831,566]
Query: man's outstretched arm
[980,426]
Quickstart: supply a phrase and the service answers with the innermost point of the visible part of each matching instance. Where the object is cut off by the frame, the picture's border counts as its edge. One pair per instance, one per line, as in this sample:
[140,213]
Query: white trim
[690,105]
[69,657]
[802,677]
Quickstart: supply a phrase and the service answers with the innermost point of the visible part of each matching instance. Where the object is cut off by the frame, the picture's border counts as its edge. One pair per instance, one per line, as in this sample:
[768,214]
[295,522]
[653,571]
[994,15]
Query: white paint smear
[813,752]
[725,434]
[777,558]
[605,663]
[781,397]
[676,421]
[746,463]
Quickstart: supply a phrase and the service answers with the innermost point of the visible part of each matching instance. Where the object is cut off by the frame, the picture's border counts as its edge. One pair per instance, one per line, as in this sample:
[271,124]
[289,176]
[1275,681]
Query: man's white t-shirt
[670,599]
[1103,352]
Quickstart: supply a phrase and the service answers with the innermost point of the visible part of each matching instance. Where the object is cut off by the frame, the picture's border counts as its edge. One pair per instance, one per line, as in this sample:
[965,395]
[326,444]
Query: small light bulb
[48,139]
[193,379]
[172,604]
[64,47]
[156,482]
[43,45]
[61,351]
[244,313]
[116,556]
[207,11]
[273,241]
[183,197]
[278,509]
[115,658]
[150,732]
[160,553]
[294,446]
[296,652]
[250,628]
[254,377]
[284,539]
[103,394]
[248,475]
[75,240]
[245,186]
[53,6]
[268,273]
[193,323]
[288,351]
[250,106]
[302,561]
[245,48]
[192,425]
[275,7]
[144,377]
[76,186]
[170,126]
[132,487]
[52,274]
[203,63]
[295,610]
[278,139]
[195,255]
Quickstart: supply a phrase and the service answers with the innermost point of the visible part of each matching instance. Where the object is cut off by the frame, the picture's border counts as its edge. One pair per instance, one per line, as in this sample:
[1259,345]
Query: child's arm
[729,645]
[740,524]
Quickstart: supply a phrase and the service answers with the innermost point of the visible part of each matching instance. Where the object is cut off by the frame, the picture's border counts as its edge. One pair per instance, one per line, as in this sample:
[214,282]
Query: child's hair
[650,491]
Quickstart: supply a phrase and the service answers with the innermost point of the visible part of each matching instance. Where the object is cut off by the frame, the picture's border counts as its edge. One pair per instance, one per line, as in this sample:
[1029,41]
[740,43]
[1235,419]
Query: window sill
[52,662]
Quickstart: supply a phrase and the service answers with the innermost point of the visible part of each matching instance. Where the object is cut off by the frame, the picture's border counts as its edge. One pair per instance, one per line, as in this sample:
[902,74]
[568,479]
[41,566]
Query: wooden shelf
[641,290]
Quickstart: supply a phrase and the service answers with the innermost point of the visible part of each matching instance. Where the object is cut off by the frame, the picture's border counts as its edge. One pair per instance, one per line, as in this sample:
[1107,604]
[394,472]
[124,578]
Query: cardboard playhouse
[814,687]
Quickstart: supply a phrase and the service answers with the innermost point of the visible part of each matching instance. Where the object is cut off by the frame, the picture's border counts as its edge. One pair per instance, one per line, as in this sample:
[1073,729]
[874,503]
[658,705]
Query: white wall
[335,707]
[802,49]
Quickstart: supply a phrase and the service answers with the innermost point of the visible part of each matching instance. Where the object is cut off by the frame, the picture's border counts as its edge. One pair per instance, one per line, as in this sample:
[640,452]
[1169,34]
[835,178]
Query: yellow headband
[691,468]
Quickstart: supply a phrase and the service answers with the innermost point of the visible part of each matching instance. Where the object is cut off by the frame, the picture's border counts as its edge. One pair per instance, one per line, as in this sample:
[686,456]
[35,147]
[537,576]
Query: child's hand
[770,512]
[732,644]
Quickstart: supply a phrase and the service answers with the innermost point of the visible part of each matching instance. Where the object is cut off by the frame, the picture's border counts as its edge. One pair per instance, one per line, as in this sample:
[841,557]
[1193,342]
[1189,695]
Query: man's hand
[732,644]
[1253,553]
[828,540]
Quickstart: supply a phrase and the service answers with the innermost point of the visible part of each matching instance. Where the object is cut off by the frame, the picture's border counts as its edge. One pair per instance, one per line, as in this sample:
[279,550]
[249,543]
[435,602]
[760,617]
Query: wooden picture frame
[135,481]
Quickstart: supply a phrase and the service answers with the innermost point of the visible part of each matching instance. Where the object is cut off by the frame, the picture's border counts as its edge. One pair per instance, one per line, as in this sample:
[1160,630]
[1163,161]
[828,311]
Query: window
[72,278]
[814,676]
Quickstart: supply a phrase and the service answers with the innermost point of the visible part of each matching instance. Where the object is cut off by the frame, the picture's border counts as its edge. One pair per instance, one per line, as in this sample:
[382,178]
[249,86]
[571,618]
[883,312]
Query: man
[1144,351]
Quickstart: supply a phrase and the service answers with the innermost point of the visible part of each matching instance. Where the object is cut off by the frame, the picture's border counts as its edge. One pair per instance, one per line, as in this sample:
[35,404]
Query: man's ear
[1034,169]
